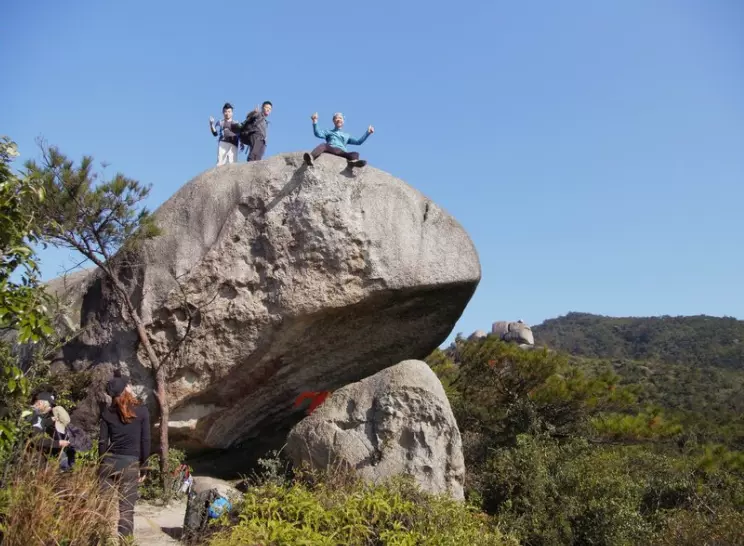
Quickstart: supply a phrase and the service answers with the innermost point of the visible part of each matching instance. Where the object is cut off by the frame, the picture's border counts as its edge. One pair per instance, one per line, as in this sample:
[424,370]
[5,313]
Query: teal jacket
[337,138]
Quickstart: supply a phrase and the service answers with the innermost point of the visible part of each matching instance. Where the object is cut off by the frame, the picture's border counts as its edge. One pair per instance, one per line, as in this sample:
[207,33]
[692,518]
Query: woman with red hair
[124,443]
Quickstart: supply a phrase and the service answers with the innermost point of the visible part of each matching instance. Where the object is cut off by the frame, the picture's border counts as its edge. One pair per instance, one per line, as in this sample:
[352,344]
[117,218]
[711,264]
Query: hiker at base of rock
[46,436]
[124,443]
[254,129]
[226,131]
[336,141]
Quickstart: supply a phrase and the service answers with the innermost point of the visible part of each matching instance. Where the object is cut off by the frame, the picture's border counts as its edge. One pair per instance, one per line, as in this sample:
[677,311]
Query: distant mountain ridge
[694,340]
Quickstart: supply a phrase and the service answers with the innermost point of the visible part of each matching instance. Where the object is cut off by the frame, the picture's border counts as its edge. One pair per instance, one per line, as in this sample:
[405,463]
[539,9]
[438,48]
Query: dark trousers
[328,149]
[121,474]
[257,144]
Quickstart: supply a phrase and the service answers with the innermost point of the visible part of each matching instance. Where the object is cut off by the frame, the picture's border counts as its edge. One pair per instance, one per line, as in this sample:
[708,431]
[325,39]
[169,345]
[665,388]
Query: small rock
[398,421]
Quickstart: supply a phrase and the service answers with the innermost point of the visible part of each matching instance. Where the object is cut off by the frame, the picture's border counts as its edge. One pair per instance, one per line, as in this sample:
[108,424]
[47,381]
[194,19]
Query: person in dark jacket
[124,443]
[254,130]
[46,436]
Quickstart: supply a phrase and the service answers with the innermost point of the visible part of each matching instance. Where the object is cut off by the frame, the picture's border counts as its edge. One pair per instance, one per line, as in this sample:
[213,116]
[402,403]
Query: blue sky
[593,150]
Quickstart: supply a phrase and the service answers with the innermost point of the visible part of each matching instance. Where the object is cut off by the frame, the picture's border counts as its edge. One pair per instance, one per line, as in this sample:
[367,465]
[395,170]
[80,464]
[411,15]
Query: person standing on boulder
[124,443]
[336,141]
[226,131]
[254,129]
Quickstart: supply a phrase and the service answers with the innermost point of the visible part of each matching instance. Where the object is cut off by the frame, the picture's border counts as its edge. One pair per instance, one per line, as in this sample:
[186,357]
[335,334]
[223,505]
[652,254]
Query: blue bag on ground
[219,507]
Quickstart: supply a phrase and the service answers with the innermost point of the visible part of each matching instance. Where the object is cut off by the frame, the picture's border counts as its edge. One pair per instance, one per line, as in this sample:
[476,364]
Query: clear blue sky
[593,150]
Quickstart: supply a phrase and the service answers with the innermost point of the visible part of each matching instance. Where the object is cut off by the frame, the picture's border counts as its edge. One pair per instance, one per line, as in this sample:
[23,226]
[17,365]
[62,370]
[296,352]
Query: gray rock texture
[271,279]
[518,332]
[395,422]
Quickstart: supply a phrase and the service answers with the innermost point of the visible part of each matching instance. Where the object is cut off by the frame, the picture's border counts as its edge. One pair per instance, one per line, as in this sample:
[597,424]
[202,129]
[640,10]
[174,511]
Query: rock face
[518,332]
[398,421]
[271,279]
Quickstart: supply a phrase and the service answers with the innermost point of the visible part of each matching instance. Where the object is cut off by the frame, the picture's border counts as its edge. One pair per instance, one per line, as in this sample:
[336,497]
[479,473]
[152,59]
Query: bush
[348,512]
[41,505]
[151,488]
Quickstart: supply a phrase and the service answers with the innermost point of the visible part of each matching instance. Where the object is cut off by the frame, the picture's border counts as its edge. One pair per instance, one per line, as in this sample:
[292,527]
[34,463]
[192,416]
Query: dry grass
[41,506]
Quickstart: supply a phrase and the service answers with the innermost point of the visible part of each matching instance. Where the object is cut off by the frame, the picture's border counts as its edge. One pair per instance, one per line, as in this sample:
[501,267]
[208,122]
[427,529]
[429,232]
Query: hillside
[700,341]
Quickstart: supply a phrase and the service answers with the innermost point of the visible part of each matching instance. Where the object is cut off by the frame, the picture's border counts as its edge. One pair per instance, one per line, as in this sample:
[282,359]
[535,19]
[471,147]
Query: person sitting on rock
[336,141]
[226,131]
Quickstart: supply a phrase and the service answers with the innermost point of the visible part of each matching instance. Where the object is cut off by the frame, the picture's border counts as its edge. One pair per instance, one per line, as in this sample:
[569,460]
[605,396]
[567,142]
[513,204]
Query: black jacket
[255,122]
[129,439]
[43,432]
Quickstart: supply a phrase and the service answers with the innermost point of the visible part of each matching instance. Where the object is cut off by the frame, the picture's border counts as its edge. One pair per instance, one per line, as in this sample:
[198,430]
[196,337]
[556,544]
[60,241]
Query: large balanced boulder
[270,279]
[517,332]
[396,422]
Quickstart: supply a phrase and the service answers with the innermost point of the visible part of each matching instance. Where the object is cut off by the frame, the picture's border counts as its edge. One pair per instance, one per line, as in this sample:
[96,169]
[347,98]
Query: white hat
[61,419]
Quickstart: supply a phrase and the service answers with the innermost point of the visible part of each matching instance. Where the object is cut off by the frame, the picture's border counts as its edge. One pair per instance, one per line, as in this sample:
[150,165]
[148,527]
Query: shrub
[344,511]
[40,505]
[151,488]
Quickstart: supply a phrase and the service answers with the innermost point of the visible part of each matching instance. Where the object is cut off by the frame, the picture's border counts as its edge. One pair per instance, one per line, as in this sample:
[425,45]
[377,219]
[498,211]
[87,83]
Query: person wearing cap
[336,141]
[45,434]
[254,129]
[226,130]
[124,443]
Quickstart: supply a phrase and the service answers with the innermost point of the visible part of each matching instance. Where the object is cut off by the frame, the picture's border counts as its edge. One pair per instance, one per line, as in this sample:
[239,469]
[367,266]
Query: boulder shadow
[348,172]
[294,183]
[173,532]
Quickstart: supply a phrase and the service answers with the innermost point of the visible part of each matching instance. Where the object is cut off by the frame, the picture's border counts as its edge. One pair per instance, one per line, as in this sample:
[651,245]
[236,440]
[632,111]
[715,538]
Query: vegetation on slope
[568,451]
[696,341]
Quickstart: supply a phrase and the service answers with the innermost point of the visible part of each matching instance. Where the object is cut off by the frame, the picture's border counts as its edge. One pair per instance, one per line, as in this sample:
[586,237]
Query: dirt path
[158,525]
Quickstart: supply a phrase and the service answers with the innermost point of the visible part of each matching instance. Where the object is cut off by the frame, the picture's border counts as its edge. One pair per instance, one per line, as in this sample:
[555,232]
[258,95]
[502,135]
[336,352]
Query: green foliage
[23,302]
[708,402]
[564,493]
[504,391]
[353,513]
[692,341]
[447,372]
[152,487]
[86,213]
[569,450]
[646,425]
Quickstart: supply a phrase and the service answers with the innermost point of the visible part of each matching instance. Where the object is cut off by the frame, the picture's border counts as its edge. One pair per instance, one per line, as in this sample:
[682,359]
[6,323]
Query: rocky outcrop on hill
[517,332]
[398,421]
[270,279]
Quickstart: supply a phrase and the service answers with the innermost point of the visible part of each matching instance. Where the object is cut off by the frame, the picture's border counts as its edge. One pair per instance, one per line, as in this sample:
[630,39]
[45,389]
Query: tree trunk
[164,416]
[159,372]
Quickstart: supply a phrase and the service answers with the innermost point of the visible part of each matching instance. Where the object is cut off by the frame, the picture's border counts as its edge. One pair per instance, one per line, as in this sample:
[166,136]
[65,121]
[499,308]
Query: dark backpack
[79,440]
[196,517]
[248,127]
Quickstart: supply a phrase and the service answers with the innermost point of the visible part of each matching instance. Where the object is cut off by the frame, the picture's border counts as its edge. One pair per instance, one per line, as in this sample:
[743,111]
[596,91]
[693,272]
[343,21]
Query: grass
[41,505]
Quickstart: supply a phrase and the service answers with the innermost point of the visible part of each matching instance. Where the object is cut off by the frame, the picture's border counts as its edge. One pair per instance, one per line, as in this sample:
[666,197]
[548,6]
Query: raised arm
[211,126]
[358,141]
[320,133]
